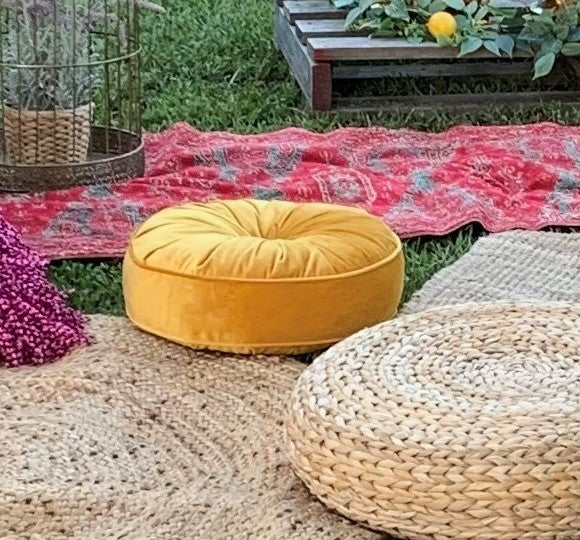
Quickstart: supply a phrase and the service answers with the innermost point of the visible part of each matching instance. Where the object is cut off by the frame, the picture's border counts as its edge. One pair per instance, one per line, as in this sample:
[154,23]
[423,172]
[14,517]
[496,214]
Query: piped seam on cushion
[233,346]
[367,269]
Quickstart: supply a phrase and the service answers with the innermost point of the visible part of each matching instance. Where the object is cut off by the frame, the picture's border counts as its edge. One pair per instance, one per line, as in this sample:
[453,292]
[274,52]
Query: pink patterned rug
[505,177]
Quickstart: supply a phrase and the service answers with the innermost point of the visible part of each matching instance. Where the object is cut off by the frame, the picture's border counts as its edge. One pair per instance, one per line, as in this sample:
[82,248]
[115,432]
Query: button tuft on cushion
[261,276]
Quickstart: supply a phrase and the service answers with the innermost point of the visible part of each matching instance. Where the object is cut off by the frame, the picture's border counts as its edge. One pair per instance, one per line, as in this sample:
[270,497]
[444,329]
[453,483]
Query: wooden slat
[497,3]
[574,63]
[315,79]
[281,2]
[454,101]
[360,48]
[473,69]
[511,3]
[295,10]
[306,29]
[300,64]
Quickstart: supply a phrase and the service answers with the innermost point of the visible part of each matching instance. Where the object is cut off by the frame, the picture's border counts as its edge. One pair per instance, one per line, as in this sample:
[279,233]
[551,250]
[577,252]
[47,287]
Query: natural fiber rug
[505,177]
[138,438]
[517,266]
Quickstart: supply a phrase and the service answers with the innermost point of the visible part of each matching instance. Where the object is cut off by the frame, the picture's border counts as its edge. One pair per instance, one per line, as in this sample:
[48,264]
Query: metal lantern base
[115,155]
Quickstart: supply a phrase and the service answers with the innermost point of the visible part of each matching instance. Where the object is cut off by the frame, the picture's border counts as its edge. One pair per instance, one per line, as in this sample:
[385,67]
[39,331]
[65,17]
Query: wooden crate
[319,51]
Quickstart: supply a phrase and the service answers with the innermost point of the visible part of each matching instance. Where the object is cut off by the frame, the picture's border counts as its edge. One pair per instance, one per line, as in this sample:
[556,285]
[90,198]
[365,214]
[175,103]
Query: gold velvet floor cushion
[255,276]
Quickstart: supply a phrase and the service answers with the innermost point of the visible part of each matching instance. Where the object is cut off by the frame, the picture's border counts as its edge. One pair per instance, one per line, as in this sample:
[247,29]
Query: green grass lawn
[213,63]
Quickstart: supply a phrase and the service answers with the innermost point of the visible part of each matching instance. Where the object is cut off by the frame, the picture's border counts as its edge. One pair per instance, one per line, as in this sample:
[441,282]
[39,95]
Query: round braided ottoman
[261,276]
[461,422]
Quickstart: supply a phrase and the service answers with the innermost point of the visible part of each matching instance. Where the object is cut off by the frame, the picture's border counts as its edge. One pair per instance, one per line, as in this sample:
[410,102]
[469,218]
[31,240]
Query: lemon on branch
[442,24]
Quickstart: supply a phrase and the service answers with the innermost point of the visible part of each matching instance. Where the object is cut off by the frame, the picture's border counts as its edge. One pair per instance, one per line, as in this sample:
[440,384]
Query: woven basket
[461,422]
[47,137]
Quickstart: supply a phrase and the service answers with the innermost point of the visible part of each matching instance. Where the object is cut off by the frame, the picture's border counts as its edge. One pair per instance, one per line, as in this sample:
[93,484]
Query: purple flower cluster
[36,324]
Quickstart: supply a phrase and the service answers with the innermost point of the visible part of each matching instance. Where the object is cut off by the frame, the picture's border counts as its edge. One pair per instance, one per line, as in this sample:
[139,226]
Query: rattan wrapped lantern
[70,101]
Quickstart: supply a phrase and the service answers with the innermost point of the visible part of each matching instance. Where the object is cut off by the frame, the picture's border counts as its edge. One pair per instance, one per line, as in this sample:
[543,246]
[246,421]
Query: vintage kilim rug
[504,177]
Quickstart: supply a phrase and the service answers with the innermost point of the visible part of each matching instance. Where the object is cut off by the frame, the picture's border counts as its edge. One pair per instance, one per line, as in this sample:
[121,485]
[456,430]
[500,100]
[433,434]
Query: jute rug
[136,438]
[516,266]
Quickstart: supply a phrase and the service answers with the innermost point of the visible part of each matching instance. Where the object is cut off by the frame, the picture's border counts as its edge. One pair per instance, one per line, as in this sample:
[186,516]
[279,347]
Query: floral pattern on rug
[504,177]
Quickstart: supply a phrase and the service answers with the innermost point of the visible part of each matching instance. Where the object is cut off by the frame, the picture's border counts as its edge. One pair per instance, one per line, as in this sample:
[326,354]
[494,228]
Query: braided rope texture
[47,137]
[135,438]
[456,423]
[517,265]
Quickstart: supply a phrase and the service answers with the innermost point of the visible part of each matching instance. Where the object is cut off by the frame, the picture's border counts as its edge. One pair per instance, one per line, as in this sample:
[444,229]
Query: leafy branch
[543,28]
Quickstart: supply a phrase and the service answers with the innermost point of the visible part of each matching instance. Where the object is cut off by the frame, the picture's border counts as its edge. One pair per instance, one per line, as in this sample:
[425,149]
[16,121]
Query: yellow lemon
[442,24]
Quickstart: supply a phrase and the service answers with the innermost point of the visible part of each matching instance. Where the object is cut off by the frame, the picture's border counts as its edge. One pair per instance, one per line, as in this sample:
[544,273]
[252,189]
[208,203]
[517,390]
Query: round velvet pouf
[456,423]
[261,276]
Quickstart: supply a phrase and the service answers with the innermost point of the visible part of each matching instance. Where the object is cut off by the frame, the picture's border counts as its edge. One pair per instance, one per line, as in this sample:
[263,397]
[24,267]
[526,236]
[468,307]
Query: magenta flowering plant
[36,324]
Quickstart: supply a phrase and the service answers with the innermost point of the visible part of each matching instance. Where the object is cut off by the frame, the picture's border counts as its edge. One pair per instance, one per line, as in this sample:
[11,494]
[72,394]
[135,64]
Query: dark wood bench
[319,51]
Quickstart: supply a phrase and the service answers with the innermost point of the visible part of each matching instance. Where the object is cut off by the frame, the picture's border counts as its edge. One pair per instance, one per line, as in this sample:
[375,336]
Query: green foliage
[91,287]
[35,34]
[237,80]
[543,31]
[63,41]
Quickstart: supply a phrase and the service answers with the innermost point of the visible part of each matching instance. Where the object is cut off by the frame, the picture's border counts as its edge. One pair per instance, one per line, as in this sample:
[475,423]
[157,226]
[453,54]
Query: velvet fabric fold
[261,277]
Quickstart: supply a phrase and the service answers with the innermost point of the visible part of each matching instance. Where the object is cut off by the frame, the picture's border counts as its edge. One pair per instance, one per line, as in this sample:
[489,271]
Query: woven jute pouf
[461,422]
